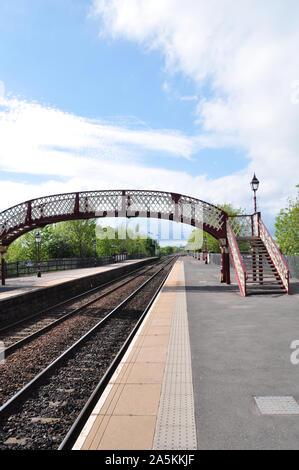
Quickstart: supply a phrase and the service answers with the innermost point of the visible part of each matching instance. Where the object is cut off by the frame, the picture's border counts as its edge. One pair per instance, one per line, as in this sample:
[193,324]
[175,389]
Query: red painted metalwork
[237,259]
[35,213]
[226,270]
[2,269]
[40,212]
[276,256]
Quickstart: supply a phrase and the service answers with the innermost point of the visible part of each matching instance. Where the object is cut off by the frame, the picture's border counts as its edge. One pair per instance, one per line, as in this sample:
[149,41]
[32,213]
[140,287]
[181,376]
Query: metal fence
[293,264]
[25,268]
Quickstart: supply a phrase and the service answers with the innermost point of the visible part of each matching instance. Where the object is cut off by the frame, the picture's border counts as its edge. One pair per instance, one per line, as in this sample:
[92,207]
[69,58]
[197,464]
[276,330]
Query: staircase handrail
[275,255]
[237,259]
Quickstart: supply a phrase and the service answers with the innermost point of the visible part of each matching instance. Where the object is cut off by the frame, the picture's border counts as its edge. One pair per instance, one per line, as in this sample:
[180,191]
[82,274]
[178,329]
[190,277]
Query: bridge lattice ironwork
[39,212]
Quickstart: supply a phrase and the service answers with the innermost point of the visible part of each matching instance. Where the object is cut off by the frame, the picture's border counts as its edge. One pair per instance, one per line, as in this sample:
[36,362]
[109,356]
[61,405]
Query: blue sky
[51,53]
[137,94]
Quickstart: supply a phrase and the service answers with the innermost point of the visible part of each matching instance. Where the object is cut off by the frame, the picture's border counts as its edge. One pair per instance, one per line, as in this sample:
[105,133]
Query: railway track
[15,335]
[39,349]
[49,411]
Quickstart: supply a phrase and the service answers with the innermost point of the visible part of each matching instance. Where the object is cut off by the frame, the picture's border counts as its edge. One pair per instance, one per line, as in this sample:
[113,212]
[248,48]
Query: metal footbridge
[261,269]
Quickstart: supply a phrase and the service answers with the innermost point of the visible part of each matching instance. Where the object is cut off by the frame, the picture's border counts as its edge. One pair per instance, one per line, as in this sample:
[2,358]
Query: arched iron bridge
[37,213]
[42,211]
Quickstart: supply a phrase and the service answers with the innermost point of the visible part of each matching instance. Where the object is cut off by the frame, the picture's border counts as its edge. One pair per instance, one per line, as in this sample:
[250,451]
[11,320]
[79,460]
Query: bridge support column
[3,250]
[225,265]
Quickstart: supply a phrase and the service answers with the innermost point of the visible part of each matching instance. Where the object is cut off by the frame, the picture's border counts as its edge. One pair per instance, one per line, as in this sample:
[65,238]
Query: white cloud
[73,153]
[189,98]
[70,153]
[34,138]
[247,52]
[2,91]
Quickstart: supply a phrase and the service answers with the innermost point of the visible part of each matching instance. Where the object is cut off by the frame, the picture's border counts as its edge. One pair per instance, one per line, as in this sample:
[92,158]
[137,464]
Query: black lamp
[254,185]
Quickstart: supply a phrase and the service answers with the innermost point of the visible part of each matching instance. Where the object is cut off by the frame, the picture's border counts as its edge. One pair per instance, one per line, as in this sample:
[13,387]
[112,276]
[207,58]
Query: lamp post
[3,250]
[205,249]
[95,251]
[38,239]
[254,185]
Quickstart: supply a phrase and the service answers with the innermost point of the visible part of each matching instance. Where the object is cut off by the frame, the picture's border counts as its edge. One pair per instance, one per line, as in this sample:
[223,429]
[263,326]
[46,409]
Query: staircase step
[265,287]
[257,276]
[261,288]
[262,272]
[261,266]
[247,239]
[257,266]
[252,269]
[268,283]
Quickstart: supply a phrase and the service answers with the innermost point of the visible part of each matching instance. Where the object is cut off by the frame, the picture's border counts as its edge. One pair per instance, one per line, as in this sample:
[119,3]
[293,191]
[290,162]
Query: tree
[169,250]
[25,248]
[75,239]
[287,227]
[79,235]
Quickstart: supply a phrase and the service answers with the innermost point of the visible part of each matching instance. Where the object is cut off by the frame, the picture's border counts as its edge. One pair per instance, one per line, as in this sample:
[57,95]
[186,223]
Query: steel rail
[27,339]
[21,394]
[81,419]
[71,299]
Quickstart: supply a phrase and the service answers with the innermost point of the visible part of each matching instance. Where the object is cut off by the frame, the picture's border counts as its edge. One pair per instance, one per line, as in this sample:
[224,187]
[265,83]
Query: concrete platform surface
[21,285]
[148,403]
[241,349]
[209,369]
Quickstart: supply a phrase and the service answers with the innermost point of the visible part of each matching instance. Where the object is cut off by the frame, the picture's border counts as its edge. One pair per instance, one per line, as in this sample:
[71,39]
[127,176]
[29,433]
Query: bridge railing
[236,258]
[275,255]
[45,210]
[244,225]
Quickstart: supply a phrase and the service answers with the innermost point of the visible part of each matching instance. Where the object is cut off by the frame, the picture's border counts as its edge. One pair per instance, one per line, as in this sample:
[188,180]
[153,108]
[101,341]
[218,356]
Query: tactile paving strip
[277,405]
[175,428]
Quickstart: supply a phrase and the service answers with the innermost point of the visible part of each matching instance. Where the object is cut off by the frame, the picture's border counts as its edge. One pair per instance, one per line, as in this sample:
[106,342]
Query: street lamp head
[254,183]
[38,237]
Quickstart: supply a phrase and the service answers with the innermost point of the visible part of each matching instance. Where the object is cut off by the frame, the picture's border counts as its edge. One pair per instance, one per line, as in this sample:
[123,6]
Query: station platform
[21,285]
[208,369]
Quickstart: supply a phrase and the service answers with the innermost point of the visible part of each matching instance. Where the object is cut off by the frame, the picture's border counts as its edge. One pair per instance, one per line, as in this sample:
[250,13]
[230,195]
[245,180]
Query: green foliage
[75,239]
[169,250]
[287,227]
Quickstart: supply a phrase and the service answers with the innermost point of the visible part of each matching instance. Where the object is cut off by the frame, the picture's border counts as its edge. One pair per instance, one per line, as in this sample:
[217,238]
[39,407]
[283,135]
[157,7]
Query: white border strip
[96,411]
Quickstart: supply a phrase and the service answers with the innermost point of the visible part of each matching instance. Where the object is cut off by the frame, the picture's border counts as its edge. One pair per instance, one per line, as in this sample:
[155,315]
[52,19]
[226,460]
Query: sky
[191,97]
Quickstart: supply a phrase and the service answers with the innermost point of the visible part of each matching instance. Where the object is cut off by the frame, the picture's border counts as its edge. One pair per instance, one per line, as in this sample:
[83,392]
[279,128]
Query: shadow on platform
[210,288]
[294,287]
[229,288]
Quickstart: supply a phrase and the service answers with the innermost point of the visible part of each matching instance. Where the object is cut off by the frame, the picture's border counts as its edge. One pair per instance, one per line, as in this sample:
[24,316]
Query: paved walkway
[204,359]
[21,285]
[240,349]
[148,403]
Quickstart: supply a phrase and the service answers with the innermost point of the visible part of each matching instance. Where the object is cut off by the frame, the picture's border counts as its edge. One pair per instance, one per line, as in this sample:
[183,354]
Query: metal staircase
[262,276]
[259,266]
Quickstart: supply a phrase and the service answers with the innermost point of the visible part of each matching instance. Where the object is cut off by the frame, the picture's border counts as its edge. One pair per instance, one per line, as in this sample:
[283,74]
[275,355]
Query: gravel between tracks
[22,365]
[44,419]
